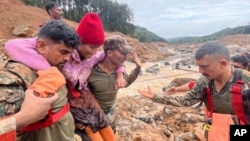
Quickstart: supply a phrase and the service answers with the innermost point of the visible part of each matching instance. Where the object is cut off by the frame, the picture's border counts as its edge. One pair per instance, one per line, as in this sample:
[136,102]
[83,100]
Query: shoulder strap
[236,89]
[237,102]
[208,94]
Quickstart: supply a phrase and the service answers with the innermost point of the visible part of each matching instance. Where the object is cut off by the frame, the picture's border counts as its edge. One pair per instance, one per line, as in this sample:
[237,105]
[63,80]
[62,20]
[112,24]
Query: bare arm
[30,113]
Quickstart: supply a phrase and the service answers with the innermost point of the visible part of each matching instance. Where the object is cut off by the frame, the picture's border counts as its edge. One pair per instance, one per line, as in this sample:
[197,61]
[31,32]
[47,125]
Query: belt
[106,110]
[50,119]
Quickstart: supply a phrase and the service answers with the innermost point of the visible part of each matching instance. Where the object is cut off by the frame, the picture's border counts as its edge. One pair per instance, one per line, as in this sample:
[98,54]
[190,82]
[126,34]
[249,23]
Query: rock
[166,63]
[145,118]
[21,31]
[154,69]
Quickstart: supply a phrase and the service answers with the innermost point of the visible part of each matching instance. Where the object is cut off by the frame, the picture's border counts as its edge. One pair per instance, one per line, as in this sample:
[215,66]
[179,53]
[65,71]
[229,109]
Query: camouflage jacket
[222,101]
[15,78]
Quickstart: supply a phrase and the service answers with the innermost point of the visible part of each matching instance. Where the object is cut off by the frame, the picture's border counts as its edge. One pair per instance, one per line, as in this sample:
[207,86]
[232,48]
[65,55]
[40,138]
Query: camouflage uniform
[7,127]
[222,101]
[15,78]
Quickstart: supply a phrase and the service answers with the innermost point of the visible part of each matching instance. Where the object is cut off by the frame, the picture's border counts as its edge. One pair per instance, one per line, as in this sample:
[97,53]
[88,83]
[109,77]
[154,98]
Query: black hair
[50,4]
[240,59]
[57,31]
[215,48]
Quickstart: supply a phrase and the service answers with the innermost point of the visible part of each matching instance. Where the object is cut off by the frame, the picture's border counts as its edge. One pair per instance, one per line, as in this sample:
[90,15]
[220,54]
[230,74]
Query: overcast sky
[168,18]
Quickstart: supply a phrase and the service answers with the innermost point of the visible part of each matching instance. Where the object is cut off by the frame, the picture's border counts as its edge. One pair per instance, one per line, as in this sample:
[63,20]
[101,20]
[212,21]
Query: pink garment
[24,51]
[76,69]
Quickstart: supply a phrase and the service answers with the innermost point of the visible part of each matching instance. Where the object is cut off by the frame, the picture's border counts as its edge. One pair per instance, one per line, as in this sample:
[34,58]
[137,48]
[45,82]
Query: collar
[76,56]
[232,74]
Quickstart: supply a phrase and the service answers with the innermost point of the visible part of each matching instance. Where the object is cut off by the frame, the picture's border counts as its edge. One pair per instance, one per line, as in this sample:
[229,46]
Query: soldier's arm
[187,100]
[134,73]
[30,113]
[192,97]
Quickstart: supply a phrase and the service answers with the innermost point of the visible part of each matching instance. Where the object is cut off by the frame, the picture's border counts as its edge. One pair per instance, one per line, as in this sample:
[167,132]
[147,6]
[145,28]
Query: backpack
[240,98]
[14,79]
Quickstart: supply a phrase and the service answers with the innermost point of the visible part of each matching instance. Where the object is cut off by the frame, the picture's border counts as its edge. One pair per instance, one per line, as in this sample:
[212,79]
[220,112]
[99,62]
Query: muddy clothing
[102,85]
[222,101]
[21,77]
[86,111]
[84,108]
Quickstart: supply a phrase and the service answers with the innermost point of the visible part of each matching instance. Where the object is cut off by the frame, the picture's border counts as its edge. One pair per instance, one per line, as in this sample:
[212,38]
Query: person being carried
[102,78]
[53,46]
[214,89]
[84,107]
[88,115]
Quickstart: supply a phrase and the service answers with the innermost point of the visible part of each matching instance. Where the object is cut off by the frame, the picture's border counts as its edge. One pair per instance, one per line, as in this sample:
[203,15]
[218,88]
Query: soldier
[54,44]
[102,78]
[213,60]
[89,118]
[237,61]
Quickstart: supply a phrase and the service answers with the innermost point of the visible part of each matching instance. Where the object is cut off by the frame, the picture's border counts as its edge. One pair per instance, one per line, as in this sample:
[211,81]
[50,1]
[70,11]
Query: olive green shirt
[102,85]
[222,101]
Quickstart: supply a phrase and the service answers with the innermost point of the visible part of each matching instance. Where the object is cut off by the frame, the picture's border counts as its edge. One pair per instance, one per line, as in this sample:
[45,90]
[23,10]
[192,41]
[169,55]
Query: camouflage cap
[117,42]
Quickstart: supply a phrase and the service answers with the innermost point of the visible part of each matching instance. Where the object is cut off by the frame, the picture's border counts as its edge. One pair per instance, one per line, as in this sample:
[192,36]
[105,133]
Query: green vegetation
[143,35]
[215,36]
[115,16]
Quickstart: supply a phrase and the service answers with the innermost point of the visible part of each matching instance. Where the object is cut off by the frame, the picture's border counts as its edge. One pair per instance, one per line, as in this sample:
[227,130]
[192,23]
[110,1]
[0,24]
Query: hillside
[215,36]
[14,13]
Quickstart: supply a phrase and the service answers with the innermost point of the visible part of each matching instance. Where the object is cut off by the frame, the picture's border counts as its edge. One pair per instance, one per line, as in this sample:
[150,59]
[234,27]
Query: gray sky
[168,18]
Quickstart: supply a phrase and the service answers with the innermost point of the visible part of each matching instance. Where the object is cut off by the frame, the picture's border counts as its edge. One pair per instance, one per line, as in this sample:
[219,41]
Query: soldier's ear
[109,52]
[50,11]
[224,62]
[41,46]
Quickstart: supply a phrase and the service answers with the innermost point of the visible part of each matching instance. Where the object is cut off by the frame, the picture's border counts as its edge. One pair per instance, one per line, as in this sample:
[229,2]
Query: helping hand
[147,93]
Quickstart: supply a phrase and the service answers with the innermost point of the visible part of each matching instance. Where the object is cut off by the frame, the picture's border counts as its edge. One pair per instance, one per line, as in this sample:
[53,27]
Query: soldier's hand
[33,108]
[136,59]
[171,91]
[147,93]
[120,81]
